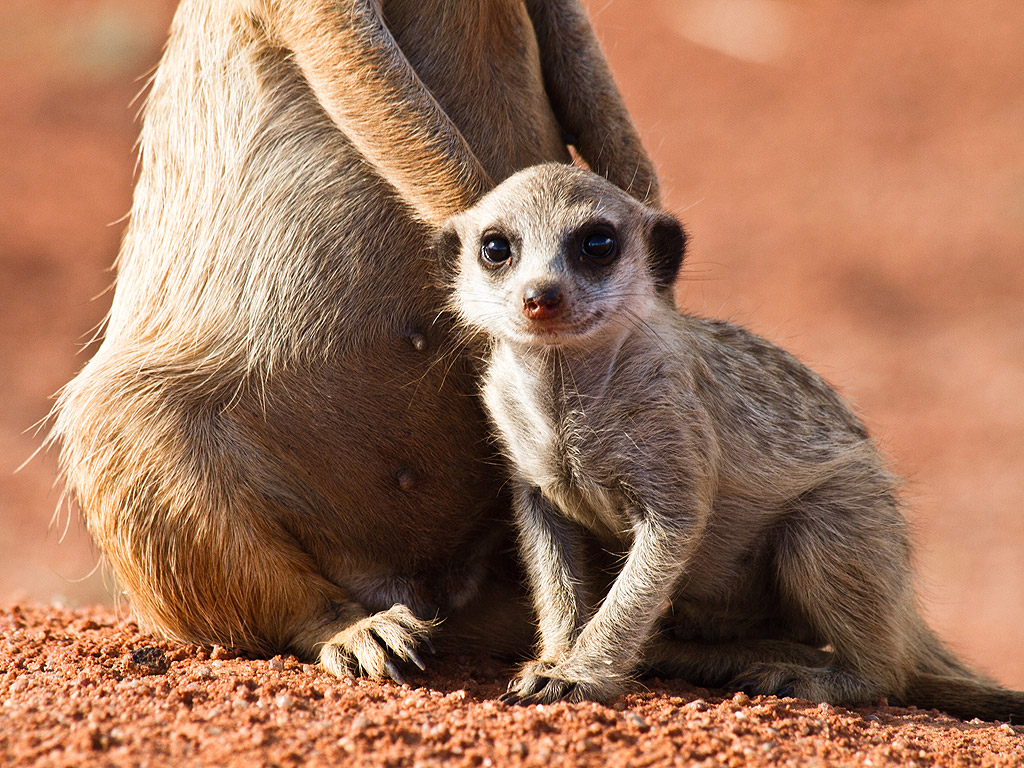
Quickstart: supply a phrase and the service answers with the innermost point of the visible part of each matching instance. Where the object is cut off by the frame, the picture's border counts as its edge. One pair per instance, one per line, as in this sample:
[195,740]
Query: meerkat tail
[965,697]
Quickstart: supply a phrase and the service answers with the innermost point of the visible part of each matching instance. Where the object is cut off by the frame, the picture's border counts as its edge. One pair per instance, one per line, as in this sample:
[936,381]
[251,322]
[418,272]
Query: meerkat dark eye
[495,251]
[599,248]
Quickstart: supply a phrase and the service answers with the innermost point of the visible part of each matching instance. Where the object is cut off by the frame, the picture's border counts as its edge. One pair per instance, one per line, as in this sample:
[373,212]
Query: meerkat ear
[665,248]
[444,247]
[446,243]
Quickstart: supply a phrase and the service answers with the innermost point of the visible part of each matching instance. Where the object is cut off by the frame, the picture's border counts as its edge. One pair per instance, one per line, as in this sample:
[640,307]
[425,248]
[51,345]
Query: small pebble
[148,661]
[634,719]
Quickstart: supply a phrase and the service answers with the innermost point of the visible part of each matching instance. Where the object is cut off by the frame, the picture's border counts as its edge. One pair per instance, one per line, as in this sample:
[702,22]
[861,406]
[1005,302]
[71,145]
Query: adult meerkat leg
[371,92]
[586,101]
[202,532]
[367,644]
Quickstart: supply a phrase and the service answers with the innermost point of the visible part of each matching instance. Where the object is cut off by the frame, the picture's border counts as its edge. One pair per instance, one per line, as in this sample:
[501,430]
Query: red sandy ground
[84,688]
[859,198]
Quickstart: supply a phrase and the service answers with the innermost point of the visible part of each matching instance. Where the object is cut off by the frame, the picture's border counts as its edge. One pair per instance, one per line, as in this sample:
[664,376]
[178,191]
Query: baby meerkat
[761,538]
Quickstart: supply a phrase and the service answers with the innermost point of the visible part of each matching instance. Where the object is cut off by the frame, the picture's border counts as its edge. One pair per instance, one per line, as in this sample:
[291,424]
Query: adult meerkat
[761,540]
[272,446]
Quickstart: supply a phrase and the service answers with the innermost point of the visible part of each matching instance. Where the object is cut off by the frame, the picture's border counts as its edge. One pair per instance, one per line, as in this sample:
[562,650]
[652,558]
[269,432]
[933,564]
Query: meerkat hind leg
[832,684]
[721,664]
[842,568]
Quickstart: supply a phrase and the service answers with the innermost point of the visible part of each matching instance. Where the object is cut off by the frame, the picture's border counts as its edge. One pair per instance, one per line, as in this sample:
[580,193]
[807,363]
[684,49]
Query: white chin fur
[537,334]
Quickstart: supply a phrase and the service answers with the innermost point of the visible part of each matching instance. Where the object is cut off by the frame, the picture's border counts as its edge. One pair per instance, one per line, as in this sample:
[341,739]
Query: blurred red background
[851,173]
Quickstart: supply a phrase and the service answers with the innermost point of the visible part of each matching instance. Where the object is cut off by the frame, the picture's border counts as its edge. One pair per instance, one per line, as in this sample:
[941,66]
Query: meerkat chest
[559,441]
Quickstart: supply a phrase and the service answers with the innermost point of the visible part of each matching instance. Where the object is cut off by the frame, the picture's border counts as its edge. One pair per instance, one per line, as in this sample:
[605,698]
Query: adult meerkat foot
[371,646]
[821,684]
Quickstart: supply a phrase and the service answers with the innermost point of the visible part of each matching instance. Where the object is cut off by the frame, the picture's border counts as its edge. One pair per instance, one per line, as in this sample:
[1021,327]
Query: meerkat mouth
[560,332]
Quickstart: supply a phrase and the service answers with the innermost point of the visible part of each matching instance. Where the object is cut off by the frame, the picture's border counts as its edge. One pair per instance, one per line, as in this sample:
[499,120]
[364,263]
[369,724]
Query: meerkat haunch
[275,446]
[761,541]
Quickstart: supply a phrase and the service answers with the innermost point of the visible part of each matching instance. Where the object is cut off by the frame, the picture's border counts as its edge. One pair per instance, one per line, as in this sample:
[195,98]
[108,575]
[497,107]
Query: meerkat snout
[542,301]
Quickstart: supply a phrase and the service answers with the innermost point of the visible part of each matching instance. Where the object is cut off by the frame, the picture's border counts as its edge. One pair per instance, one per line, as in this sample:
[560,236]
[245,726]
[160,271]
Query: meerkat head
[557,256]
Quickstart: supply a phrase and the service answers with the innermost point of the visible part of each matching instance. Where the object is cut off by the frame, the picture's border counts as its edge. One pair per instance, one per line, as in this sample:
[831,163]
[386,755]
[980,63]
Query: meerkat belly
[365,407]
[566,481]
[594,508]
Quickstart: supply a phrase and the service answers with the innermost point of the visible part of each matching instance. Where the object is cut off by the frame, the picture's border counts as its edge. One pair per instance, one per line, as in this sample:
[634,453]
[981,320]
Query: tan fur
[276,442]
[761,538]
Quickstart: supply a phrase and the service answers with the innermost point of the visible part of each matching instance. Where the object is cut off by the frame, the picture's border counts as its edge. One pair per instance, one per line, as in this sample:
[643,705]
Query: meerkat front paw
[371,646]
[545,682]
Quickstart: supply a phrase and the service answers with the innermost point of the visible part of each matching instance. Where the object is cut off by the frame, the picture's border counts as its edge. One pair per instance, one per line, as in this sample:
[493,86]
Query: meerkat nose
[542,302]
